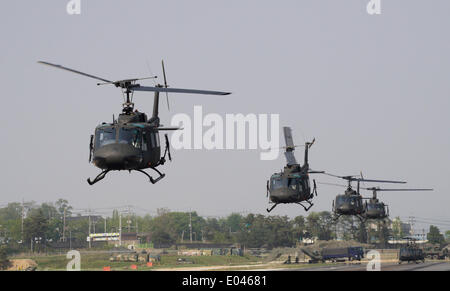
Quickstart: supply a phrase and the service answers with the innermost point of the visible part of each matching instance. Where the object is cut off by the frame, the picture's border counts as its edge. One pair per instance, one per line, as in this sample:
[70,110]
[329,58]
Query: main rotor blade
[176,90]
[74,71]
[170,128]
[332,184]
[380,181]
[353,178]
[381,189]
[316,172]
[288,137]
[290,158]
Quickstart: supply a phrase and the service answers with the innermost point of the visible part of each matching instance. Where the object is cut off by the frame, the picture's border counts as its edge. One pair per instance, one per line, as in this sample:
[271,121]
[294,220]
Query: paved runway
[427,266]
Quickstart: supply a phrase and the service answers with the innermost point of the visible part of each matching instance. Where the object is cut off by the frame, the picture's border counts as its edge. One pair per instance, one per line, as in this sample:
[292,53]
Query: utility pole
[128,219]
[120,229]
[411,224]
[64,225]
[135,218]
[105,224]
[23,214]
[190,225]
[89,228]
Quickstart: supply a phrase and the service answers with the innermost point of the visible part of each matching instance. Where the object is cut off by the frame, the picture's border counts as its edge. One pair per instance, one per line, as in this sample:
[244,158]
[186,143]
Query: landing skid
[270,210]
[299,203]
[306,208]
[99,177]
[102,175]
[153,181]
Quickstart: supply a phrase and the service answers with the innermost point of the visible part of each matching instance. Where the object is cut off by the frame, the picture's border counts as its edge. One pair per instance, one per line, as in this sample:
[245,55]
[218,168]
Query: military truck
[411,253]
[142,257]
[335,254]
[436,252]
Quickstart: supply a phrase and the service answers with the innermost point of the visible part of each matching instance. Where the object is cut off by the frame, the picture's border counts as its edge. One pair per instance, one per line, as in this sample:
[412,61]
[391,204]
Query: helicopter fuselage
[289,187]
[130,145]
[348,204]
[375,210]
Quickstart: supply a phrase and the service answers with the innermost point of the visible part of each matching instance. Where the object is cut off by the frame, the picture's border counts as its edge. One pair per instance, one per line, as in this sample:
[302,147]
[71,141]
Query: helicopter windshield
[105,136]
[130,136]
[346,199]
[279,183]
[376,206]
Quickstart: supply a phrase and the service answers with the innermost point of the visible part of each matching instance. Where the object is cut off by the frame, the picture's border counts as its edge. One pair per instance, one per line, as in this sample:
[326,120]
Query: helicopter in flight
[351,202]
[292,185]
[132,141]
[374,209]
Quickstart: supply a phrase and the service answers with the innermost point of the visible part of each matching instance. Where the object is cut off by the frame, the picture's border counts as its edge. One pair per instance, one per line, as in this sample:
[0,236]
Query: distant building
[80,217]
[406,228]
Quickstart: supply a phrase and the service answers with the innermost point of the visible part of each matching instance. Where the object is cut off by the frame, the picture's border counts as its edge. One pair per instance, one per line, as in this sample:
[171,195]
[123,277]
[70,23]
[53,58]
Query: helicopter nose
[344,208]
[117,157]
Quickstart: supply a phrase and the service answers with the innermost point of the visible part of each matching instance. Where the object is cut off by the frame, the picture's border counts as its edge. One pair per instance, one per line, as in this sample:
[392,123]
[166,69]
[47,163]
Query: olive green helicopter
[292,185]
[375,209]
[132,141]
[351,202]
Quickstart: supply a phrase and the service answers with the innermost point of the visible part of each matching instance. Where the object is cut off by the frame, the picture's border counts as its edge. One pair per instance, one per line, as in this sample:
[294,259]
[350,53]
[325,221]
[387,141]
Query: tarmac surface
[427,266]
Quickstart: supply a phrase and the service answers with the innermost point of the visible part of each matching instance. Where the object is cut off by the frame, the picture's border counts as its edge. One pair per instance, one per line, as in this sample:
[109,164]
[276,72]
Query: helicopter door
[144,141]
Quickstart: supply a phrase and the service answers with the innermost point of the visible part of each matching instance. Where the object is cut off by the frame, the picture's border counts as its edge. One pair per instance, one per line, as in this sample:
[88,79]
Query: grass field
[96,262]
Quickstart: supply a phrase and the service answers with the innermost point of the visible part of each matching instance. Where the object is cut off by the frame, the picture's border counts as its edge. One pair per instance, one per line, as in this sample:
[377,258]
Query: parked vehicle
[436,252]
[411,253]
[336,254]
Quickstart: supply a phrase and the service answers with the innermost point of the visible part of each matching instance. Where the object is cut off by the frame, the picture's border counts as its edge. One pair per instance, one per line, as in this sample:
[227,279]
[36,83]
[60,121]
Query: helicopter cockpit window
[375,206]
[105,136]
[293,183]
[152,140]
[279,183]
[144,141]
[130,136]
[348,200]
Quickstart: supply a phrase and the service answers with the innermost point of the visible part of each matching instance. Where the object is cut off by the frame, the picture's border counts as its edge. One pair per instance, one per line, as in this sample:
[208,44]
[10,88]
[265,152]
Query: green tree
[63,205]
[36,227]
[434,236]
[397,231]
[447,235]
[4,262]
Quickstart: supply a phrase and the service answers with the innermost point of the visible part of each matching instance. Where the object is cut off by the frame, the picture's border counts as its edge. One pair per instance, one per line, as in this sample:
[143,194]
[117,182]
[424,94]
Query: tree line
[30,225]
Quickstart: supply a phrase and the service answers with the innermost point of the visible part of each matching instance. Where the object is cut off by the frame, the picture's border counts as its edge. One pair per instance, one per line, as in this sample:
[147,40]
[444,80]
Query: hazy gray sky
[373,90]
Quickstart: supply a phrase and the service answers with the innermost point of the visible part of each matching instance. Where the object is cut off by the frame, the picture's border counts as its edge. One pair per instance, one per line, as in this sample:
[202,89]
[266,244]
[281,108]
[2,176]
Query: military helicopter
[374,209]
[132,141]
[292,185]
[351,202]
